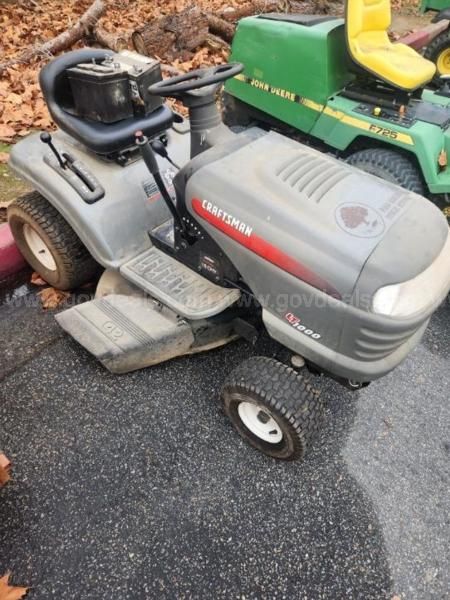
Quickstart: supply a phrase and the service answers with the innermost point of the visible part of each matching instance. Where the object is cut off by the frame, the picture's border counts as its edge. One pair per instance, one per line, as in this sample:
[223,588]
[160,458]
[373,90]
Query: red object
[266,250]
[421,38]
[11,261]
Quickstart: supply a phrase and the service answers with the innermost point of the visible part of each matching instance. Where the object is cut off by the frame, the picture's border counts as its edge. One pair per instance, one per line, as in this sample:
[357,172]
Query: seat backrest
[363,16]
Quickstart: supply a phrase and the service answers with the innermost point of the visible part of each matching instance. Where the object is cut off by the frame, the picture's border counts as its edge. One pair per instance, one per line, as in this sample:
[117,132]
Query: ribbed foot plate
[184,291]
[127,332]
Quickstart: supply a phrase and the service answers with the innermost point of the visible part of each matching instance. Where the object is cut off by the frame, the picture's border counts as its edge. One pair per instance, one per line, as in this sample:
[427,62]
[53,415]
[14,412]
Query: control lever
[148,155]
[160,149]
[46,138]
[73,171]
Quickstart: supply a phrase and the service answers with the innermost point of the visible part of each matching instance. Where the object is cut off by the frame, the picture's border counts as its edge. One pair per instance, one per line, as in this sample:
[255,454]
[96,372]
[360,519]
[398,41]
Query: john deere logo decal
[359,220]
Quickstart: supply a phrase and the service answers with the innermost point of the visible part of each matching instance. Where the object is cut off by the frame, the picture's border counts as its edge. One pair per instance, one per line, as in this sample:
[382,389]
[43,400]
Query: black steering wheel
[194,80]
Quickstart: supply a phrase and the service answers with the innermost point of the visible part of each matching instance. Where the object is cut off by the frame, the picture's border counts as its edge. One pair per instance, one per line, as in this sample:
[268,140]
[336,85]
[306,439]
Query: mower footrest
[175,285]
[127,332]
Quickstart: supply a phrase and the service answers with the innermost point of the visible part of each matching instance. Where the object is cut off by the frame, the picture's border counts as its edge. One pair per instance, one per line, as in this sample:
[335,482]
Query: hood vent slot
[312,175]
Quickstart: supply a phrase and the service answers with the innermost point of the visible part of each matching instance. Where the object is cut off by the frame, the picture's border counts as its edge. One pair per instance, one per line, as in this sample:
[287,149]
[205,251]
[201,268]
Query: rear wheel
[234,112]
[438,51]
[391,166]
[272,407]
[49,244]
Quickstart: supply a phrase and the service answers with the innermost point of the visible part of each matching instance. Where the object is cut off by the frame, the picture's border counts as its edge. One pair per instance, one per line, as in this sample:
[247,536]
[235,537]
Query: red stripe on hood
[267,251]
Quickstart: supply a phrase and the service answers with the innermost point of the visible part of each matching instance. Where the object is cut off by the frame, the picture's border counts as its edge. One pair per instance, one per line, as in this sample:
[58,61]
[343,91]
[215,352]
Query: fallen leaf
[52,298]
[5,466]
[14,98]
[4,157]
[10,592]
[6,132]
[36,279]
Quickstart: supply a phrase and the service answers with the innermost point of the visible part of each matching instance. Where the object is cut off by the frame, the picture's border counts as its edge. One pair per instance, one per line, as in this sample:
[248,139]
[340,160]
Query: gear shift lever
[150,160]
[46,138]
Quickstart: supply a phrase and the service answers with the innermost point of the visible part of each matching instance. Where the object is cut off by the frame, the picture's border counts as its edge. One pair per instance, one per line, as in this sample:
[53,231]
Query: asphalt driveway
[136,487]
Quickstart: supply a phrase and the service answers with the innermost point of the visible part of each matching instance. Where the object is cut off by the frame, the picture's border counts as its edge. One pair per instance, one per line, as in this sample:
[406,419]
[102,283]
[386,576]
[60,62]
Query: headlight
[410,297]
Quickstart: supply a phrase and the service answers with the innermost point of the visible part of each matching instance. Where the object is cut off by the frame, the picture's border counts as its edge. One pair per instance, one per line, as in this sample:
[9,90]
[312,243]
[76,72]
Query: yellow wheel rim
[443,62]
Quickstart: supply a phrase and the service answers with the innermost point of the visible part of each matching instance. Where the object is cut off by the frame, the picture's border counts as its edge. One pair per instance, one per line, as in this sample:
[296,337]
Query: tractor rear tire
[438,51]
[272,407]
[234,113]
[391,166]
[49,244]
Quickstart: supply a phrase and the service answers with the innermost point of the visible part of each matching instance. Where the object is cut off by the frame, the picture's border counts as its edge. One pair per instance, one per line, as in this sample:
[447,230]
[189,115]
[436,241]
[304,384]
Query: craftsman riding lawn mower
[341,86]
[251,234]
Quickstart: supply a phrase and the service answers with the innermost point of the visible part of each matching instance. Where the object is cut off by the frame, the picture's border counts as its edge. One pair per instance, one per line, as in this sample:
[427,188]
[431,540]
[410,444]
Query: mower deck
[115,330]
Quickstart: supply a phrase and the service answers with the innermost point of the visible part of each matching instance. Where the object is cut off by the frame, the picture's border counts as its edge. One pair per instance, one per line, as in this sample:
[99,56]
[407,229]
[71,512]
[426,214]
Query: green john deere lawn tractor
[342,86]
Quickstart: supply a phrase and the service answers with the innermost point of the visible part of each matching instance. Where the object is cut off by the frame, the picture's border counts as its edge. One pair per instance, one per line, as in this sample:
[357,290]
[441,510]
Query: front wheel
[272,407]
[49,244]
[391,166]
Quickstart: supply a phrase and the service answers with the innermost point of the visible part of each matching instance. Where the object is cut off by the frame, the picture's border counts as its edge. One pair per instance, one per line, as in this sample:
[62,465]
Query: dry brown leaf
[36,279]
[52,298]
[5,467]
[6,132]
[10,592]
[14,98]
[4,157]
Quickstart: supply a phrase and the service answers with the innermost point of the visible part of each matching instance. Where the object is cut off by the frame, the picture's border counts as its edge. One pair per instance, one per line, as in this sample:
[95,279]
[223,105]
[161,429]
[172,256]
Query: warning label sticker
[152,191]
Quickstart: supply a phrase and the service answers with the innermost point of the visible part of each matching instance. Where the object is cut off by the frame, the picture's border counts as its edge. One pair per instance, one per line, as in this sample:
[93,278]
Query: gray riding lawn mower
[252,233]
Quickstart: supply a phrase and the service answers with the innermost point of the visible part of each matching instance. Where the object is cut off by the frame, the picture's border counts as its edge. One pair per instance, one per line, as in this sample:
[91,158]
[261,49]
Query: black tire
[391,166]
[74,265]
[235,113]
[435,49]
[283,395]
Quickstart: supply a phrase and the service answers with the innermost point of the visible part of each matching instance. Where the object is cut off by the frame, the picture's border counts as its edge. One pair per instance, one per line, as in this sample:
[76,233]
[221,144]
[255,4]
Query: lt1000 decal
[296,323]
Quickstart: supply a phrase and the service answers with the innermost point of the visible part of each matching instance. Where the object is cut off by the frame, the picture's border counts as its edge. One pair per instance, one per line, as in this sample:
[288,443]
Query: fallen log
[216,43]
[82,27]
[113,41]
[170,35]
[258,7]
[220,27]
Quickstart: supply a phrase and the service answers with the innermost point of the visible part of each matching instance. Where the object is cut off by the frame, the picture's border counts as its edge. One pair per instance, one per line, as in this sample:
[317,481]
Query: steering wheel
[194,80]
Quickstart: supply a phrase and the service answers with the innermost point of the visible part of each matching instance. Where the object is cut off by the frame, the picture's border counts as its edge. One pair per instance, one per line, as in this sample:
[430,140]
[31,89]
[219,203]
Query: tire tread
[78,265]
[398,166]
[283,391]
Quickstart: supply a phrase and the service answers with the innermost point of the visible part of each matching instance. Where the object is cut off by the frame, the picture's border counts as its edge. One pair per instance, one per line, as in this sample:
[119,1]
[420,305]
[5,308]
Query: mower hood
[322,221]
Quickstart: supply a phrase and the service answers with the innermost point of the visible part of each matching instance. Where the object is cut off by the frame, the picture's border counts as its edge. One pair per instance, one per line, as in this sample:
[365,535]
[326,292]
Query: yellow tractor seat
[367,22]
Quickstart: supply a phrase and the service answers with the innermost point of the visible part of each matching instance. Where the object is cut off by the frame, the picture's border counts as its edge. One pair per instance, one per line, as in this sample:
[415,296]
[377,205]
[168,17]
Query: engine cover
[314,239]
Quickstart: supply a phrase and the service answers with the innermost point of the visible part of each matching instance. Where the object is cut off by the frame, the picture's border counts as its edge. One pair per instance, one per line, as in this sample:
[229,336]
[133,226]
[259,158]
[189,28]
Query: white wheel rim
[260,422]
[39,248]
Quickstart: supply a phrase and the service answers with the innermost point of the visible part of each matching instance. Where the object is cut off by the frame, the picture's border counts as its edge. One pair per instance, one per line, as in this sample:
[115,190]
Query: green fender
[339,126]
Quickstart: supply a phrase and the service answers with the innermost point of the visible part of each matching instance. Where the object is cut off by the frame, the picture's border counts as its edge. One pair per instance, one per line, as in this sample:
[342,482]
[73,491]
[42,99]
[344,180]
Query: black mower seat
[98,137]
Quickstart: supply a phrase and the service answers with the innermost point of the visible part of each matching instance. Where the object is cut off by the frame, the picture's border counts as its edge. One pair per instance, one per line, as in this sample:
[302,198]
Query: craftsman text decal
[227,218]
[244,235]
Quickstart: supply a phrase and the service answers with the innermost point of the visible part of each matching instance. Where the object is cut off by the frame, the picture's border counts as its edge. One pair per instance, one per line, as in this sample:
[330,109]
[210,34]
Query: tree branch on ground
[68,38]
